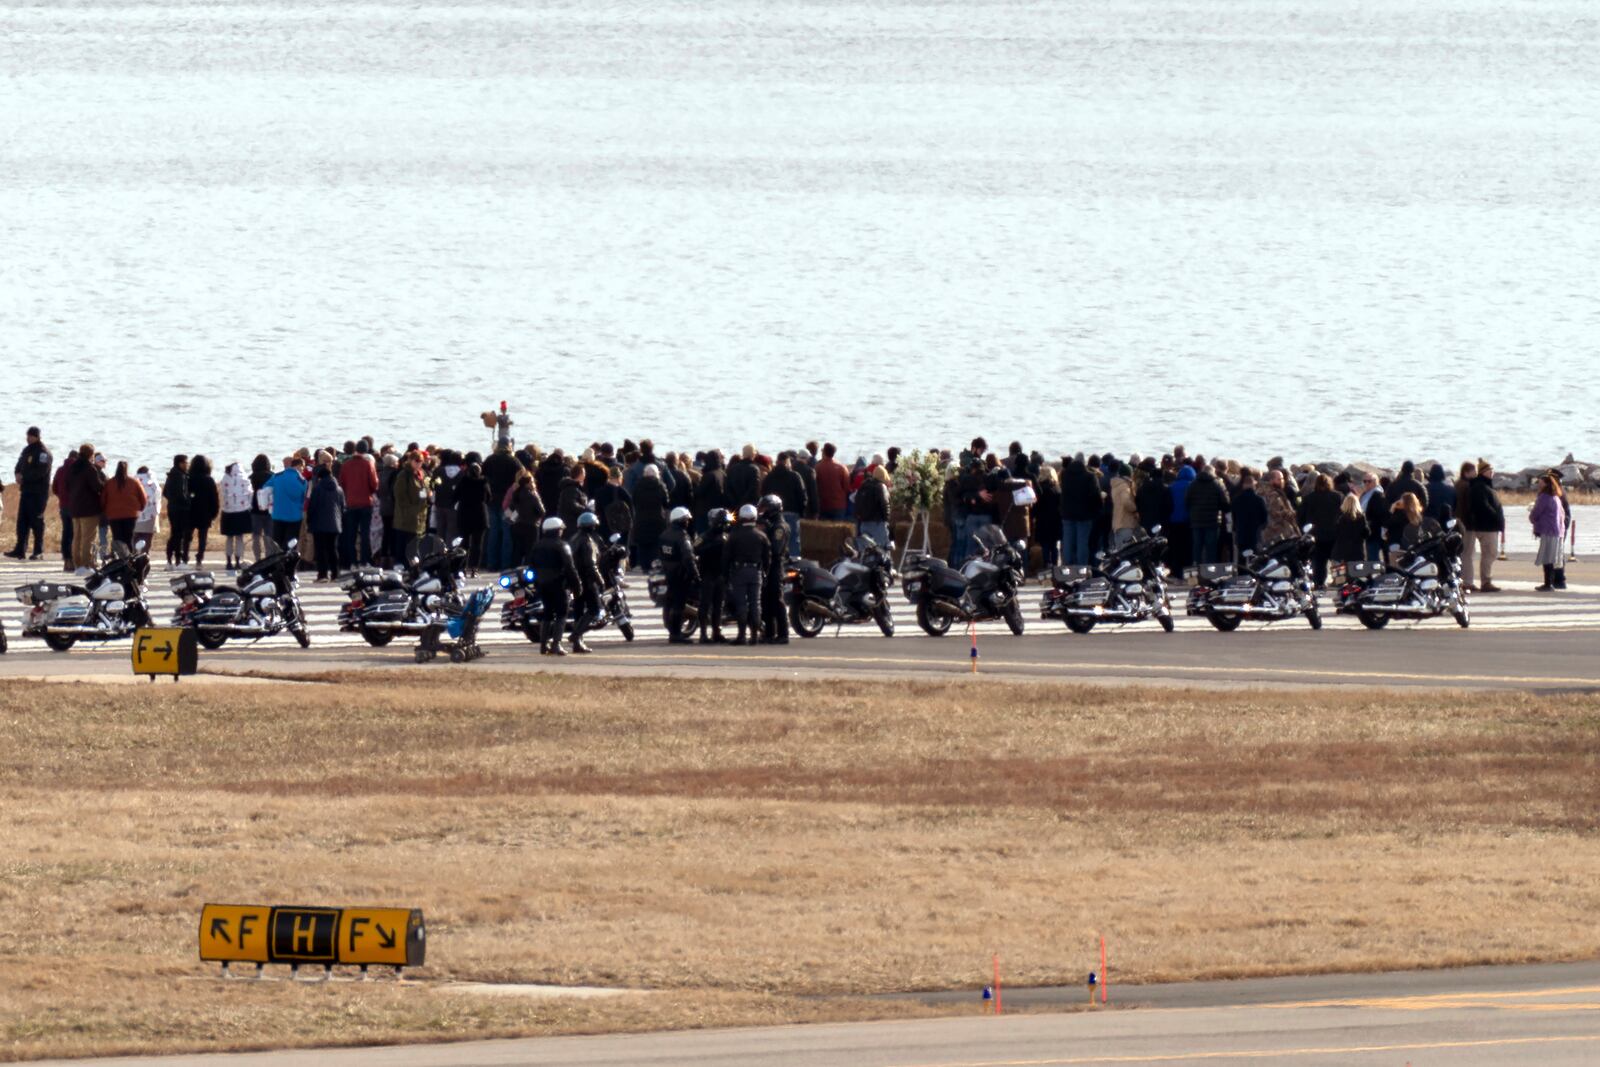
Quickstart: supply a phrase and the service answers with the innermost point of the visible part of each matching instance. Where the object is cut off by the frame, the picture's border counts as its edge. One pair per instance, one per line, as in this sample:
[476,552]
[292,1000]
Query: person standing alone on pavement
[33,488]
[1488,522]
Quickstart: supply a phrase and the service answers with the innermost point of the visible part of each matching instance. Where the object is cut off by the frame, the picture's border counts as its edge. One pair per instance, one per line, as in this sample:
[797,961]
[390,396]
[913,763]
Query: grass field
[761,853]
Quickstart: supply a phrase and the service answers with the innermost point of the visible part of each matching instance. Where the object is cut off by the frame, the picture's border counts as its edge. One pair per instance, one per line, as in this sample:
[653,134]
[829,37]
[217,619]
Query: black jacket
[529,510]
[744,482]
[709,551]
[649,510]
[746,545]
[872,501]
[472,504]
[1484,502]
[808,478]
[1408,484]
[1207,500]
[712,492]
[572,502]
[33,468]
[789,487]
[553,565]
[203,501]
[1081,499]
[176,491]
[1153,498]
[677,556]
[1321,510]
[500,470]
[1350,538]
[586,558]
[1249,519]
[1047,513]
[777,532]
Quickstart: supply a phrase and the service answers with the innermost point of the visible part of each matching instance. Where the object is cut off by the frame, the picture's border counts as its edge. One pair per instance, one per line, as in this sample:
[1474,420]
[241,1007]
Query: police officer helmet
[747,513]
[680,515]
[588,520]
[771,504]
[717,518]
[553,524]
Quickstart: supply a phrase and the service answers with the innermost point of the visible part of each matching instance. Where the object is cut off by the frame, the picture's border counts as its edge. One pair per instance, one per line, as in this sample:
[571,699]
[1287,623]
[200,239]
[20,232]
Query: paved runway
[1472,1018]
[1518,639]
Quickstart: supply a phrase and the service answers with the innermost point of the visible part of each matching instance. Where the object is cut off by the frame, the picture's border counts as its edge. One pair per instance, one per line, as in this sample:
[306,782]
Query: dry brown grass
[745,846]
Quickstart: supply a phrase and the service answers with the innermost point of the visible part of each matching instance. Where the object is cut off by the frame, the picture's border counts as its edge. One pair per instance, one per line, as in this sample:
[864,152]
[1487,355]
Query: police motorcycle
[656,584]
[263,602]
[385,604]
[854,590]
[1424,582]
[1127,584]
[523,610]
[1275,585]
[110,604]
[984,588]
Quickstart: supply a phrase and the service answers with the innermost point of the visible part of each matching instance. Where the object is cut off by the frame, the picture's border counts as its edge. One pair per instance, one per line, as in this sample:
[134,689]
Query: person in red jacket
[833,485]
[358,476]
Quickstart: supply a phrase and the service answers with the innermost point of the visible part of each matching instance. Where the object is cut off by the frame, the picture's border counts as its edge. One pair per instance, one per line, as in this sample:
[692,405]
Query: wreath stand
[919,520]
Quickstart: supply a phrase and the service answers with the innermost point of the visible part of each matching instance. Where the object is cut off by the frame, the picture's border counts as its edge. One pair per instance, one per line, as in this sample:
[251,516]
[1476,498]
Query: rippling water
[1323,229]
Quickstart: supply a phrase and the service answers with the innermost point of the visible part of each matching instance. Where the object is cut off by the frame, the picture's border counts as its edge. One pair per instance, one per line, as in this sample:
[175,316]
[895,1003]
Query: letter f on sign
[304,928]
[356,923]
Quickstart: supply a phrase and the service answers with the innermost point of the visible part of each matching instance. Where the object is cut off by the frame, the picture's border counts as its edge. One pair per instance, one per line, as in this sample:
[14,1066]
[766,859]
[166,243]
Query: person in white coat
[236,493]
[148,524]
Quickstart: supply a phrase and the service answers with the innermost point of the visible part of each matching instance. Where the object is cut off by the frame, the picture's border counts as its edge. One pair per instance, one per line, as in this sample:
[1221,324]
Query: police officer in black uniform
[683,573]
[744,562]
[33,485]
[585,544]
[556,578]
[709,550]
[774,623]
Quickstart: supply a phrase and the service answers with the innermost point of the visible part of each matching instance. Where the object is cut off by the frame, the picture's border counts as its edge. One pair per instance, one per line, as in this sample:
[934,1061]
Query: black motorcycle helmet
[717,519]
[769,505]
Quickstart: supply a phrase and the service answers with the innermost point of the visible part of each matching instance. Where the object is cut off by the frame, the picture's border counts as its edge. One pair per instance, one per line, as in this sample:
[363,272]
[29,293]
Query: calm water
[1323,229]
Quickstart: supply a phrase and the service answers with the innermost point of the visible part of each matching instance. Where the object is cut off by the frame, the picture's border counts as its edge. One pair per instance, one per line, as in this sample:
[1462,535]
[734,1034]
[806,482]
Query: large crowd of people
[361,503]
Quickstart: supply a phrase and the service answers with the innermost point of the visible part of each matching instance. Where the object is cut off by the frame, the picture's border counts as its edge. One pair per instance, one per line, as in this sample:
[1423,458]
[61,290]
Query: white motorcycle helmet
[553,525]
[747,513]
[679,515]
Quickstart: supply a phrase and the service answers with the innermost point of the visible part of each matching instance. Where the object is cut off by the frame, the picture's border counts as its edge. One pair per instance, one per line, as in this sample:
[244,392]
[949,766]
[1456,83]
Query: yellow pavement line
[1267,1054]
[1424,1001]
[959,665]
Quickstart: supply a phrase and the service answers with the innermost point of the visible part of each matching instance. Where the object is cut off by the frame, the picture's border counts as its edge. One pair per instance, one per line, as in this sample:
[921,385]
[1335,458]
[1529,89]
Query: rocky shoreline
[1575,474]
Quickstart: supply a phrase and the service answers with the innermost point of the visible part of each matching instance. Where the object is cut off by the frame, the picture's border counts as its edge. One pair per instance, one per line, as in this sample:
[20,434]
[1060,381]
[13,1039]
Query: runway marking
[1265,1054]
[1495,999]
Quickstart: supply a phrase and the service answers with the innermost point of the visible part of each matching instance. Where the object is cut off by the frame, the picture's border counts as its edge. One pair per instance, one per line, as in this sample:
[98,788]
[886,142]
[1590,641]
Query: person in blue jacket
[1177,531]
[289,489]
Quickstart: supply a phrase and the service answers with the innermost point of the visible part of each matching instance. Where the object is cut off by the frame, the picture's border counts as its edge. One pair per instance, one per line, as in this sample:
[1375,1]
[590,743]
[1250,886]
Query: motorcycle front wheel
[805,625]
[933,624]
[302,635]
[1372,621]
[626,630]
[1462,613]
[1166,622]
[1314,617]
[1014,617]
[885,618]
[686,627]
[376,638]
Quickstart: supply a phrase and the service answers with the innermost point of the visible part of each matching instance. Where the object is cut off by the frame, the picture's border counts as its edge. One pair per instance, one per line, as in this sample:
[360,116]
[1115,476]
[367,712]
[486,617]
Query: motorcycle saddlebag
[43,592]
[1363,569]
[1214,573]
[1071,574]
[945,582]
[387,607]
[221,609]
[193,583]
[815,580]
